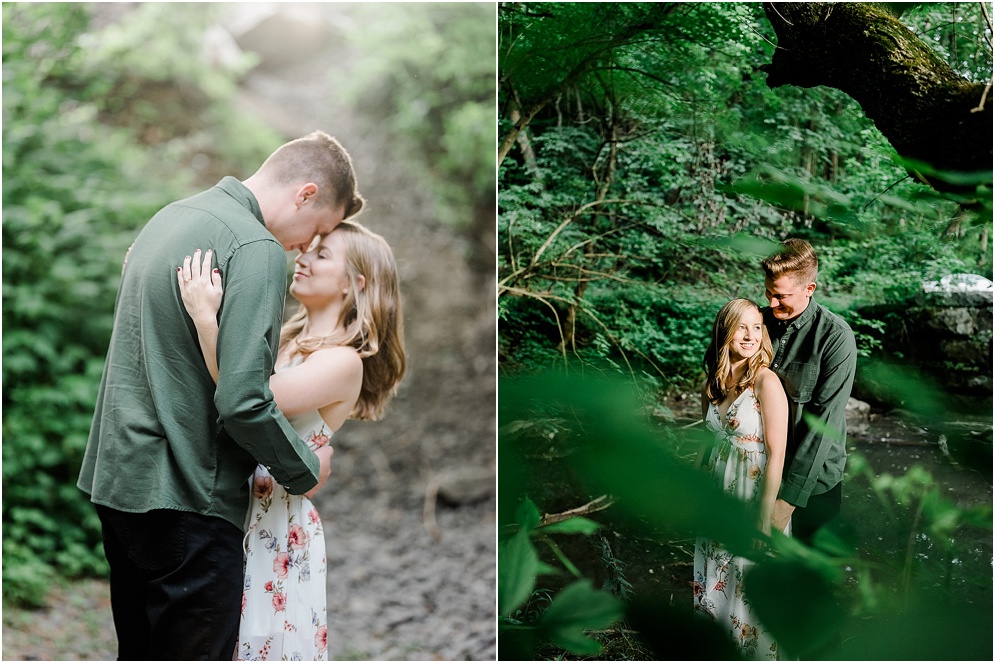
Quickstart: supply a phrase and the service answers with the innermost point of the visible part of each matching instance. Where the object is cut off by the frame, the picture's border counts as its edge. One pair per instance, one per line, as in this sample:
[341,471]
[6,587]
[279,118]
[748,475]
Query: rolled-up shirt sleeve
[254,278]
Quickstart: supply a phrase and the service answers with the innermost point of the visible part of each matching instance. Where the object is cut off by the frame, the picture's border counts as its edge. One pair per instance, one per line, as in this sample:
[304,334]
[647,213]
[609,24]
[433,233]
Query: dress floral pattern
[284,596]
[737,463]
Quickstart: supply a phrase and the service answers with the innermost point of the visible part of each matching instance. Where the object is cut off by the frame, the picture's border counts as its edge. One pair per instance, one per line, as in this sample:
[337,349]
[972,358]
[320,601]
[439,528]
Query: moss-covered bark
[927,111]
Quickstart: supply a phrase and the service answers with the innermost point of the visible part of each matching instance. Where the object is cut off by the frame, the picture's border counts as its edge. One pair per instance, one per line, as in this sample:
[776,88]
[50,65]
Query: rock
[965,298]
[958,290]
[958,321]
[219,50]
[466,485]
[967,351]
[857,411]
[284,36]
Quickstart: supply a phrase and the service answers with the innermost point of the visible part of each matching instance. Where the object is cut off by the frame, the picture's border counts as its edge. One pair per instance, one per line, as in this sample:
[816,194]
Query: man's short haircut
[796,258]
[318,158]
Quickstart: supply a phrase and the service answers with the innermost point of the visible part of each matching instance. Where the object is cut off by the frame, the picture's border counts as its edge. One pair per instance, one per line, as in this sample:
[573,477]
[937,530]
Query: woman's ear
[360,282]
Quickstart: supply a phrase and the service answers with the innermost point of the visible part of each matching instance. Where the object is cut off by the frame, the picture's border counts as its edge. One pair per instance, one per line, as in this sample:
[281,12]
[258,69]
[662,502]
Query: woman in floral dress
[744,405]
[341,356]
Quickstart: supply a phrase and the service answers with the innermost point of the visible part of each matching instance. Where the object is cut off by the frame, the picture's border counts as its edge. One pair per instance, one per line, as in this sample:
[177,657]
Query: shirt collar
[804,317]
[778,327]
[242,195]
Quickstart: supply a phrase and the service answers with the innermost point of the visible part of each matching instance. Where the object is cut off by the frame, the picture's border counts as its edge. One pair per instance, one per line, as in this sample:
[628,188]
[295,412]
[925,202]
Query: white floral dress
[284,597]
[737,462]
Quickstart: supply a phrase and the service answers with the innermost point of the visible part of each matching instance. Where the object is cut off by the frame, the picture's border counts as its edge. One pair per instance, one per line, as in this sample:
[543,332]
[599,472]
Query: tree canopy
[650,152]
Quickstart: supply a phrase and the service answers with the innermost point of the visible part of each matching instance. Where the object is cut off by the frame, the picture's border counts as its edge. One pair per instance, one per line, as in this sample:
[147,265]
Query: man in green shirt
[815,355]
[169,454]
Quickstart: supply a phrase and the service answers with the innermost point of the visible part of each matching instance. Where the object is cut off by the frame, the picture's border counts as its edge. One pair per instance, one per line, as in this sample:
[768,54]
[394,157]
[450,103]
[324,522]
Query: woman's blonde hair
[717,363]
[371,320]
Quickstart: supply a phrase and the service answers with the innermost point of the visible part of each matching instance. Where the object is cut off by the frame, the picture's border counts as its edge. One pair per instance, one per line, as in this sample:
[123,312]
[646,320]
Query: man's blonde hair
[796,258]
[318,158]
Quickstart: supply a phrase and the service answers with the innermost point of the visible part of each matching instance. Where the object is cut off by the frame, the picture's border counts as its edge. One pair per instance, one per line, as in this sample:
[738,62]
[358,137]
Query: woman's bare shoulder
[341,355]
[768,380]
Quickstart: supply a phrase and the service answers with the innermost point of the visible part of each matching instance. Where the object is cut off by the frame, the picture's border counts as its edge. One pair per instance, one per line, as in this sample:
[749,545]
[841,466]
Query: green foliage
[146,73]
[658,168]
[576,608]
[897,559]
[75,192]
[645,168]
[426,78]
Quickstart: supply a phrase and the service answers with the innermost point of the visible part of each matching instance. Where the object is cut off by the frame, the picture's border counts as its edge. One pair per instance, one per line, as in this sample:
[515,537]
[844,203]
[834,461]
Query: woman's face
[321,275]
[746,340]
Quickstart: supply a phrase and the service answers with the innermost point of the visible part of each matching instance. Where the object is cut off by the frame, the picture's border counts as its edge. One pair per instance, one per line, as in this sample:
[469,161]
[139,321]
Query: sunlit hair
[717,363]
[797,258]
[371,320]
[321,159]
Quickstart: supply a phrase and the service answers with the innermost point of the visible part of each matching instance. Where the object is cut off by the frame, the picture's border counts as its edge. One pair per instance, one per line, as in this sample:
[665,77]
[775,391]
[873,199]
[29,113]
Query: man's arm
[248,334]
[838,365]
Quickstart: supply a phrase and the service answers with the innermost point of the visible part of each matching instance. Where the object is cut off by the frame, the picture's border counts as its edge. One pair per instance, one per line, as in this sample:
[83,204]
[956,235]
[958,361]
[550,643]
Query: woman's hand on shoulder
[200,287]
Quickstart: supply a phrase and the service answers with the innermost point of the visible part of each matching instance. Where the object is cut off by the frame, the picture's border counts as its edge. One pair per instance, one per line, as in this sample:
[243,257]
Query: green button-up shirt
[163,437]
[815,355]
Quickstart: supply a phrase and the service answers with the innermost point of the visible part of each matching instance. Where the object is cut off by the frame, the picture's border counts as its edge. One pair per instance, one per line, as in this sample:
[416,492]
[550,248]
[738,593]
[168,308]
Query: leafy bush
[68,213]
[75,191]
[658,157]
[575,608]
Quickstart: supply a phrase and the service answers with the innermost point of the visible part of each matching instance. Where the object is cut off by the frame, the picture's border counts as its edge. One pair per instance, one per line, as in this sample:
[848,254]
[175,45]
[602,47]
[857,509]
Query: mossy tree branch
[926,110]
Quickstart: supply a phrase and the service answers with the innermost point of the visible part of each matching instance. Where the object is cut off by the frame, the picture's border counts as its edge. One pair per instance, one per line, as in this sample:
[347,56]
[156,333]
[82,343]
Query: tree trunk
[570,323]
[925,110]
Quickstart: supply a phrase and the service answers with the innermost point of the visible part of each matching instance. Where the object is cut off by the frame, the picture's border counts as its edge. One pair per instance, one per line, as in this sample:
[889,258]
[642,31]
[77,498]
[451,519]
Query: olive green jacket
[163,437]
[815,355]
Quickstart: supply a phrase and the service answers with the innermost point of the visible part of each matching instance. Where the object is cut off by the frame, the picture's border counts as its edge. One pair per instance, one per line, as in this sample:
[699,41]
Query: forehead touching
[329,240]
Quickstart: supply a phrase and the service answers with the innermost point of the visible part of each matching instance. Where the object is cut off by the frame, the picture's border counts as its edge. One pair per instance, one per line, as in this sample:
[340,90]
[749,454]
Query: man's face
[787,296]
[297,228]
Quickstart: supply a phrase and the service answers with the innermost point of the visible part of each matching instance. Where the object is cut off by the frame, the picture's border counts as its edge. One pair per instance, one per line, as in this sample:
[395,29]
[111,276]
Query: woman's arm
[329,376]
[774,413]
[201,291]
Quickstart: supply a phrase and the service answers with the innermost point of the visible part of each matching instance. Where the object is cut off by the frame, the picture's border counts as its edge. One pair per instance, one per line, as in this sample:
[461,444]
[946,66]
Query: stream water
[957,458]
[656,564]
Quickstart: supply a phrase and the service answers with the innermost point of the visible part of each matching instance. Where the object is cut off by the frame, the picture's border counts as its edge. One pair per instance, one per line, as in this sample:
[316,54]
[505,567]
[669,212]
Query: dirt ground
[411,575]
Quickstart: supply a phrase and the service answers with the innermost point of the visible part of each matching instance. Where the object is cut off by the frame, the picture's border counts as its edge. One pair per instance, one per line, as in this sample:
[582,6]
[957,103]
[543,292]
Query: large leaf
[518,566]
[579,607]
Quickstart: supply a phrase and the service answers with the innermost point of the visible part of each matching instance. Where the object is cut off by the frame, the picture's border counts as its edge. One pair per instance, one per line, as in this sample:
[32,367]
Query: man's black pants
[176,584]
[820,510]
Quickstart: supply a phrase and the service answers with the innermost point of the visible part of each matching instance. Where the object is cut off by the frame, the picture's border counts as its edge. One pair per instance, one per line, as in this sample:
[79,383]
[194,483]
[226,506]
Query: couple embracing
[775,394]
[201,459]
